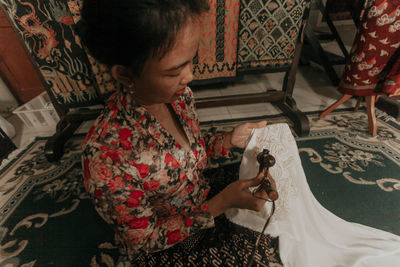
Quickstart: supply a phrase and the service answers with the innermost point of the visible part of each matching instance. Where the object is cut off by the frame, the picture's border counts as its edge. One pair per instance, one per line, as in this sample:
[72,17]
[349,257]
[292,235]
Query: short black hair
[128,32]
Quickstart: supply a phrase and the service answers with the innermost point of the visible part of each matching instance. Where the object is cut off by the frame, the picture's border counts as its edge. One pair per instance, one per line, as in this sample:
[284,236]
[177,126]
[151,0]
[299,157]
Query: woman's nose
[188,74]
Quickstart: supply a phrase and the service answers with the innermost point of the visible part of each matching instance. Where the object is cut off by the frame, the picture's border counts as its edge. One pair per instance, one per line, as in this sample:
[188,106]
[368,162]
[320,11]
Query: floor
[313,92]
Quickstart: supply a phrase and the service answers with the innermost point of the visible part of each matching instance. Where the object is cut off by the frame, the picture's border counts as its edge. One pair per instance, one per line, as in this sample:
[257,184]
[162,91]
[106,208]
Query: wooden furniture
[391,106]
[314,51]
[269,39]
[282,99]
[60,61]
[16,68]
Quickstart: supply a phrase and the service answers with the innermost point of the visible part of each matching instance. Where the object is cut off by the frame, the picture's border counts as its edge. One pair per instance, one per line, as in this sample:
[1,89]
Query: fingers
[272,181]
[273,194]
[256,180]
[256,125]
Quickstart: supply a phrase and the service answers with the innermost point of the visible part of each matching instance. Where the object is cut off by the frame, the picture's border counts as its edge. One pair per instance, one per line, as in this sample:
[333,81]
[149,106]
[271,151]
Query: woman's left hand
[240,135]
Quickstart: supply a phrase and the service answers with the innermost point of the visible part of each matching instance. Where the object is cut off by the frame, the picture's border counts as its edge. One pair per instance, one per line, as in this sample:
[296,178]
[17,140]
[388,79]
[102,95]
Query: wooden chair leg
[335,105]
[358,103]
[372,128]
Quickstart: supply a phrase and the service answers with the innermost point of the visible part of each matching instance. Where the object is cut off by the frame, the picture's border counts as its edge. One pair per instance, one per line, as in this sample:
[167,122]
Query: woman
[144,155]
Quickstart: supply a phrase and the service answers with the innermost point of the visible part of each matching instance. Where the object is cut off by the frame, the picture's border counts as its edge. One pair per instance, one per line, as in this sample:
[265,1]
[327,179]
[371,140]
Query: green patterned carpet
[46,218]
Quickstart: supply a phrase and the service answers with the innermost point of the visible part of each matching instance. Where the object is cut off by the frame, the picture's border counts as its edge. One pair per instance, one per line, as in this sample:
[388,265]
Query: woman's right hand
[238,195]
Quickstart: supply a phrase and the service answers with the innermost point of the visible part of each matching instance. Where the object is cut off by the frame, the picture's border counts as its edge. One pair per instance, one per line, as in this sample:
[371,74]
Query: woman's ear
[122,74]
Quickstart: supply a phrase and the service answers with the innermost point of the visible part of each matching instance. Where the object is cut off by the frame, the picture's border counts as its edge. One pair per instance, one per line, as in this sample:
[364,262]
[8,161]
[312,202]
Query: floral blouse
[142,181]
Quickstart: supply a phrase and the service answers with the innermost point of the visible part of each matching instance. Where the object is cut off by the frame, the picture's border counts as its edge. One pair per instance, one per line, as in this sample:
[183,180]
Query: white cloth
[309,234]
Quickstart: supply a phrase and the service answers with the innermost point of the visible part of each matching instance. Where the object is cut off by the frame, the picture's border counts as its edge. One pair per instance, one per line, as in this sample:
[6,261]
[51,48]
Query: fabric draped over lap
[47,30]
[217,54]
[268,32]
[309,234]
[377,39]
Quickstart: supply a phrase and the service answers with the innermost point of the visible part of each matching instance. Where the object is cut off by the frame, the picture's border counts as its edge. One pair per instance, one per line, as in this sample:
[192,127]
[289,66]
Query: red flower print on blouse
[105,126]
[142,168]
[99,171]
[128,177]
[134,201]
[190,188]
[137,194]
[114,108]
[183,178]
[205,193]
[121,209]
[136,236]
[125,218]
[223,152]
[175,223]
[210,152]
[145,220]
[151,143]
[98,193]
[108,153]
[123,135]
[152,185]
[204,207]
[188,222]
[140,223]
[116,183]
[89,134]
[86,171]
[170,159]
[201,141]
[174,237]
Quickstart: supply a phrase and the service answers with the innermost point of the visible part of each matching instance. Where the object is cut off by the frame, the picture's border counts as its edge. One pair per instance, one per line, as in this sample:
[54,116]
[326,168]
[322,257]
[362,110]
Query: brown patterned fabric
[46,28]
[226,244]
[217,55]
[268,31]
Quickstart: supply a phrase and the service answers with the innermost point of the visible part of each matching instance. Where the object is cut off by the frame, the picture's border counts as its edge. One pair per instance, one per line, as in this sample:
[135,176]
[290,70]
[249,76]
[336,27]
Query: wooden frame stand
[281,99]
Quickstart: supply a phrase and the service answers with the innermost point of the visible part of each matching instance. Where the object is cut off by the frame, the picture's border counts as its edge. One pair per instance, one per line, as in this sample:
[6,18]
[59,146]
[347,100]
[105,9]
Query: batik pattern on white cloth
[309,234]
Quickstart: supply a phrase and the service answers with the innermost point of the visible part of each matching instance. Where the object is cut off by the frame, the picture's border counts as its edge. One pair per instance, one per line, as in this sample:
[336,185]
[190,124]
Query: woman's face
[163,81]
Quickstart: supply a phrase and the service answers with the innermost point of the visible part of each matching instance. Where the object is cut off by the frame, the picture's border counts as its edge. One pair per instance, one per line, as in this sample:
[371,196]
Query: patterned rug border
[36,139]
[25,187]
[383,148]
[16,157]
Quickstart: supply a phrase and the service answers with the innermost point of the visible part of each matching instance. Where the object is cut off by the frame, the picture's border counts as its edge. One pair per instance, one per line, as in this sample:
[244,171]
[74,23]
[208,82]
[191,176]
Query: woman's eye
[173,75]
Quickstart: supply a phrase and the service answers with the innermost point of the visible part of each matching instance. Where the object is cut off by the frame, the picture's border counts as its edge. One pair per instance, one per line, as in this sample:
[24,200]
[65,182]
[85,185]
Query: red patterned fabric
[142,181]
[217,53]
[376,41]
